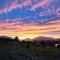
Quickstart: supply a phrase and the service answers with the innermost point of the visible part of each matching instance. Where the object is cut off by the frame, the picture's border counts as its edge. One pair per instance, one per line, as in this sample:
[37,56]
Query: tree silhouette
[43,43]
[16,39]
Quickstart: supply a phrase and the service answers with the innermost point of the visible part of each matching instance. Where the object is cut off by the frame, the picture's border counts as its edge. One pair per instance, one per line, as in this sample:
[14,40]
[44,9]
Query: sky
[30,18]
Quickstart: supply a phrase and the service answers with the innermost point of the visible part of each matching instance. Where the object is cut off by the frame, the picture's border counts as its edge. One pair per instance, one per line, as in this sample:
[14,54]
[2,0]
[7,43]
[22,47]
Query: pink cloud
[39,4]
[15,5]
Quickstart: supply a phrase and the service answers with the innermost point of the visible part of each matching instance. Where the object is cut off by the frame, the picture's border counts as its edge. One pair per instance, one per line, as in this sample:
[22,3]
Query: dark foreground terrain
[14,50]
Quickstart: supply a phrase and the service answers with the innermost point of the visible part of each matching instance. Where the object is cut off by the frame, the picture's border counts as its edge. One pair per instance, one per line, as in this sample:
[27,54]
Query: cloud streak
[14,5]
[28,30]
[39,4]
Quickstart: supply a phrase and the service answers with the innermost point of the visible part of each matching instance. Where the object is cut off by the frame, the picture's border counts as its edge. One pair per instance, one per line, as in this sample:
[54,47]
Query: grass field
[14,51]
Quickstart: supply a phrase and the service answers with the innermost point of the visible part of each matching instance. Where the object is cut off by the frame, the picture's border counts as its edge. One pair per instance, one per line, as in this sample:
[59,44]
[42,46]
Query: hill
[43,38]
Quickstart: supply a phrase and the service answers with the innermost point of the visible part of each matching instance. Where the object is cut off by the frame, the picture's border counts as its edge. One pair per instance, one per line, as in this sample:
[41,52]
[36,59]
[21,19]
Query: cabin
[57,45]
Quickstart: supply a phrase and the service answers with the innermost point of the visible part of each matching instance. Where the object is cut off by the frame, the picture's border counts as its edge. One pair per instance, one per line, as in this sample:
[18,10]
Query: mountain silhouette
[43,38]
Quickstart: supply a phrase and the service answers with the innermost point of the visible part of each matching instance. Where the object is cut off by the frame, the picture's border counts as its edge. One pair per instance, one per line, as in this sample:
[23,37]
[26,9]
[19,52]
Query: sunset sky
[30,18]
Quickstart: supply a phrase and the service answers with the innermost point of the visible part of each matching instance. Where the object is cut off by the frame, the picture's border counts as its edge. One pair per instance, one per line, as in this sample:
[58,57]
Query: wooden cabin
[57,45]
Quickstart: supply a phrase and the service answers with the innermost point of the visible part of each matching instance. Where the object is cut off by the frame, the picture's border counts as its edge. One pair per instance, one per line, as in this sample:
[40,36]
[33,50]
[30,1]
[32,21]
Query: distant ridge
[43,38]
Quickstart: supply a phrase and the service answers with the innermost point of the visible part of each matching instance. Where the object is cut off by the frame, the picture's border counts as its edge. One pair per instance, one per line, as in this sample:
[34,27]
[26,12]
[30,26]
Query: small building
[57,45]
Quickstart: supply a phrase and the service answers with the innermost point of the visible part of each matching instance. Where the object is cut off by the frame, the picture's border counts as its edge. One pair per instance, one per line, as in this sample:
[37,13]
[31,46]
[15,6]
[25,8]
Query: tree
[43,43]
[16,39]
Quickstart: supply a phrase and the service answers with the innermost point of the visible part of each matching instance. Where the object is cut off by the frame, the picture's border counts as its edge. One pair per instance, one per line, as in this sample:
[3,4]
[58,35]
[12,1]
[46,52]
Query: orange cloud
[29,31]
